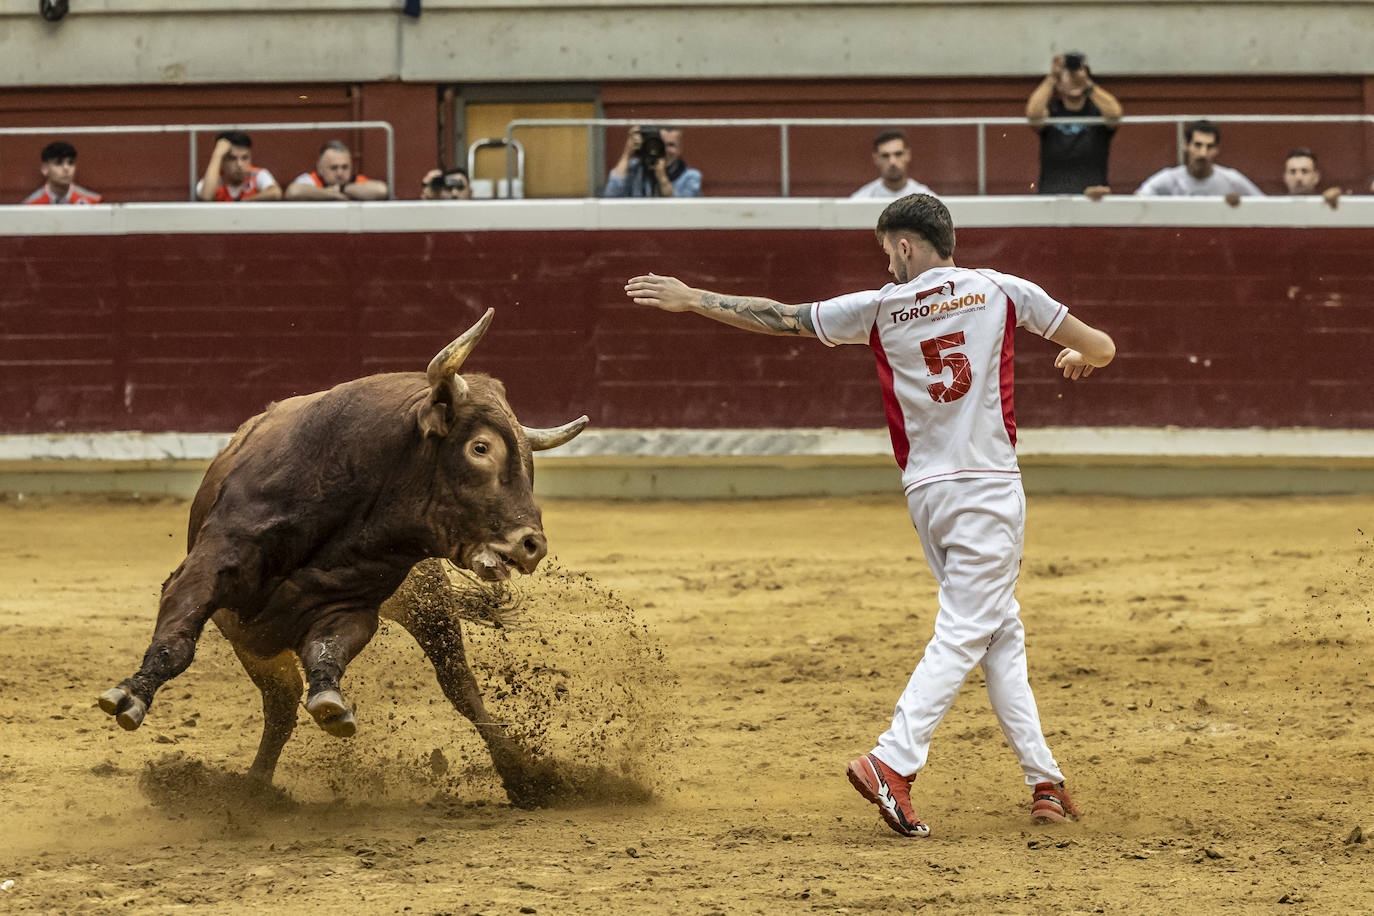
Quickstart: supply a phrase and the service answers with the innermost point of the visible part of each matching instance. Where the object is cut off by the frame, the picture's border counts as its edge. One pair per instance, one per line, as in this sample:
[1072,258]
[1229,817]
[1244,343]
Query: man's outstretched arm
[748,312]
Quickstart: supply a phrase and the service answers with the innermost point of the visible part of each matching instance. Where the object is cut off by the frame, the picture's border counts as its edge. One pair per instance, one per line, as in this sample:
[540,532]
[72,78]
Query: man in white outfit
[1200,176]
[941,335]
[892,157]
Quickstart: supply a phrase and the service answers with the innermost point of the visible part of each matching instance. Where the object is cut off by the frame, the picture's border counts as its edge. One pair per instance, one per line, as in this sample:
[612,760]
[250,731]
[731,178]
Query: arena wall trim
[697,214]
[726,463]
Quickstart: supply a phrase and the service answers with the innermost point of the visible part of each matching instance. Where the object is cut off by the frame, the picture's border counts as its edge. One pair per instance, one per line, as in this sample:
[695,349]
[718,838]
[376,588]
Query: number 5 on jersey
[960,369]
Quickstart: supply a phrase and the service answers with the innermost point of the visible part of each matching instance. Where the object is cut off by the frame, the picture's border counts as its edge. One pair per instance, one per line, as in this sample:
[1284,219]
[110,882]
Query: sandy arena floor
[1203,669]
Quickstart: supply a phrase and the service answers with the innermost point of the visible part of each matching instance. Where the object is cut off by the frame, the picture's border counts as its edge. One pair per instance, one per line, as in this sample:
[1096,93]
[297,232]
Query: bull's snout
[523,550]
[528,547]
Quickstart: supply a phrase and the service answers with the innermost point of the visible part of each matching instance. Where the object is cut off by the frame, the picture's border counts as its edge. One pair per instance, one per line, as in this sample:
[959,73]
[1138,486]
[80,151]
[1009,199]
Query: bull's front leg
[335,637]
[438,633]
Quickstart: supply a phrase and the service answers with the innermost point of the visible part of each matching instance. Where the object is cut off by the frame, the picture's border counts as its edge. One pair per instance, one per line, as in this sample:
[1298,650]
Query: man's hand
[633,141]
[221,148]
[1096,192]
[1232,199]
[426,192]
[1332,196]
[750,313]
[667,293]
[1056,65]
[1073,363]
[665,186]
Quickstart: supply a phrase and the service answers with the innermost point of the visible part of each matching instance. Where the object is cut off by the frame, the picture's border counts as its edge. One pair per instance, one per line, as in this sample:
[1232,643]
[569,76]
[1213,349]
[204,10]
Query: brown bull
[315,513]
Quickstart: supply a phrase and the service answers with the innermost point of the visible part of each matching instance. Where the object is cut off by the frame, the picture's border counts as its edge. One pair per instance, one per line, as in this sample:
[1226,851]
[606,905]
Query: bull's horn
[450,359]
[541,439]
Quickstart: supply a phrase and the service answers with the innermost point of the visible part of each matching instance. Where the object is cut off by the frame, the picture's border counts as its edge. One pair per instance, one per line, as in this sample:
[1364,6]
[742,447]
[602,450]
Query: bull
[316,512]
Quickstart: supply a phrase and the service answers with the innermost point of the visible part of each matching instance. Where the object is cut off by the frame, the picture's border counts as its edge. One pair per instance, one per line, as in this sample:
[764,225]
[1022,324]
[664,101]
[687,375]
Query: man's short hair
[920,214]
[1303,152]
[236,138]
[58,149]
[1200,127]
[888,136]
[337,146]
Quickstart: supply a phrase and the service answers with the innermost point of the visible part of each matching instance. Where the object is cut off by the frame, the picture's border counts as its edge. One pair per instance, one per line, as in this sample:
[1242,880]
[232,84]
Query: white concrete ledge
[706,213]
[1286,445]
[739,463]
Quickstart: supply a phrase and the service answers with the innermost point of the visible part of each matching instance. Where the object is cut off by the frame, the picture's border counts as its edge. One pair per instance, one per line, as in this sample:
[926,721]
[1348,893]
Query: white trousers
[973,532]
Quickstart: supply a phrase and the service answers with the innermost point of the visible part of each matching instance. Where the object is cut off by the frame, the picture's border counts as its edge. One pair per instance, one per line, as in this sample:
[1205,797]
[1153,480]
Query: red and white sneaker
[890,791]
[1051,804]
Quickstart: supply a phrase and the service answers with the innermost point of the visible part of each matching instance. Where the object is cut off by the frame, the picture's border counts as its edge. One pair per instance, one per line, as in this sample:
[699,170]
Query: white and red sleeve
[846,319]
[1036,310]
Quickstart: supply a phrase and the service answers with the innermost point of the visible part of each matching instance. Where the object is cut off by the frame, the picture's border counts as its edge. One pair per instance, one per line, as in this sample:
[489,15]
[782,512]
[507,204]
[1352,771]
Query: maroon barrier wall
[1215,327]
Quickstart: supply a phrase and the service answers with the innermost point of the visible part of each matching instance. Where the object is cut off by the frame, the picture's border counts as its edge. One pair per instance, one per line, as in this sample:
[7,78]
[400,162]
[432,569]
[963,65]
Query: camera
[452,180]
[651,148]
[1073,61]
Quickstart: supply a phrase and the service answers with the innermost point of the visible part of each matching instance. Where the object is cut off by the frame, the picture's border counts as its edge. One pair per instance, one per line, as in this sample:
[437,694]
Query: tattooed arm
[748,312]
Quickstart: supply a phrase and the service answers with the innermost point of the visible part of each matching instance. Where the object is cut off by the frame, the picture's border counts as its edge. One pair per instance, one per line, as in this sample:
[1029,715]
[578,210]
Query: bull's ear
[436,414]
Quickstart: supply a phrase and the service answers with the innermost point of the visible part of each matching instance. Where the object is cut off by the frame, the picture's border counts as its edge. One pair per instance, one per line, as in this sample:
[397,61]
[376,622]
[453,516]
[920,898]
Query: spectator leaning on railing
[333,178]
[1302,176]
[892,157]
[59,178]
[1073,157]
[1199,175]
[651,165]
[231,174]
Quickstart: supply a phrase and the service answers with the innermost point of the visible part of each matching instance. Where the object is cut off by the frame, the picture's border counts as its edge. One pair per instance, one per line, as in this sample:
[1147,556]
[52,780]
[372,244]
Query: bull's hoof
[112,699]
[131,717]
[127,709]
[331,712]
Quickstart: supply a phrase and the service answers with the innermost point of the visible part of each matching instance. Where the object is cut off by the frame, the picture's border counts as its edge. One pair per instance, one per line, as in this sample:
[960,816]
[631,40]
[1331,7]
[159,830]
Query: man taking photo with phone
[1073,157]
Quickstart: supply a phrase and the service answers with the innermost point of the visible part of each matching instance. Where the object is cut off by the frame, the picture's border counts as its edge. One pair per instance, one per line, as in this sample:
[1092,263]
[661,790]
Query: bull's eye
[479,448]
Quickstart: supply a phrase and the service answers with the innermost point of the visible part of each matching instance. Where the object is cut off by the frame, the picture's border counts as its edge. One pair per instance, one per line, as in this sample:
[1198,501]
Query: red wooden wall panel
[1215,327]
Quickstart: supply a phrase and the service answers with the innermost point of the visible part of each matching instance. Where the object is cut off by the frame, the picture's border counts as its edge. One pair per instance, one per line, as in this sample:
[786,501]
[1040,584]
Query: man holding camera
[451,185]
[651,165]
[1073,157]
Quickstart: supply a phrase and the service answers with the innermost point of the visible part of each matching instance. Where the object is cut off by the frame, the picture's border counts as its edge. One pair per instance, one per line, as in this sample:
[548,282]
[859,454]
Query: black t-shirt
[1073,156]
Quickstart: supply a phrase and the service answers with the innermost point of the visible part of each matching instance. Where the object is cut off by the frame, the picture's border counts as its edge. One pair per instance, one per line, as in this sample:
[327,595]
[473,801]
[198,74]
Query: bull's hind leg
[332,641]
[201,584]
[279,679]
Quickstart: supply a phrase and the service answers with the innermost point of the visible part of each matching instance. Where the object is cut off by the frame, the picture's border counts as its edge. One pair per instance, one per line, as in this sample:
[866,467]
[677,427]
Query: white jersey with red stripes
[943,342]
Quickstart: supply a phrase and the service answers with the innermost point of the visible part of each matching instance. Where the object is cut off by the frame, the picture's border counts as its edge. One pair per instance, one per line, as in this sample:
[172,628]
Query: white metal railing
[192,129]
[980,124]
